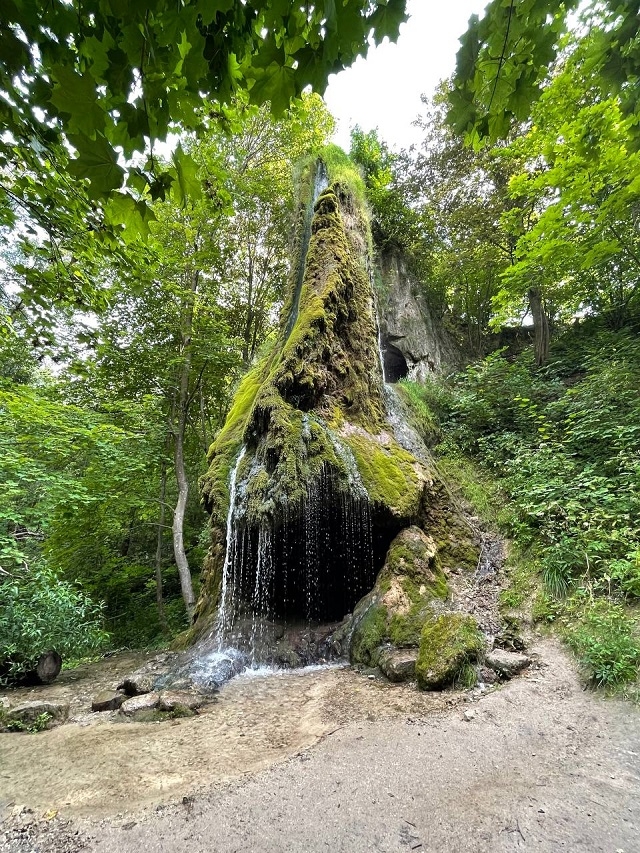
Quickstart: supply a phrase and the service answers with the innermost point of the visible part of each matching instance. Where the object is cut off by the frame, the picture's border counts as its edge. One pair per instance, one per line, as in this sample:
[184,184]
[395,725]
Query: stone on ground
[448,644]
[144,702]
[107,700]
[173,700]
[28,712]
[398,664]
[506,664]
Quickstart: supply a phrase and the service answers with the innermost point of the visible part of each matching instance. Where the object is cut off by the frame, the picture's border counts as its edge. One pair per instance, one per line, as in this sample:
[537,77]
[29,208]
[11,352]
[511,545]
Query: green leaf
[188,185]
[96,161]
[75,94]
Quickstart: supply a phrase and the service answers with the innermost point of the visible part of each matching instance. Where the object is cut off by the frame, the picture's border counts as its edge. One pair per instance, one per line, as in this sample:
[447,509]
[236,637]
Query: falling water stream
[312,563]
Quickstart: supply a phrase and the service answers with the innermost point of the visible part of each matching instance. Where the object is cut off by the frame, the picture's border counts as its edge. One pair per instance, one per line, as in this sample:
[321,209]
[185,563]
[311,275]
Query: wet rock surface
[107,700]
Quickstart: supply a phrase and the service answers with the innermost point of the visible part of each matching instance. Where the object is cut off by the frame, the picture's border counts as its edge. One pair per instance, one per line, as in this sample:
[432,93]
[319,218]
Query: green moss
[448,643]
[369,635]
[390,474]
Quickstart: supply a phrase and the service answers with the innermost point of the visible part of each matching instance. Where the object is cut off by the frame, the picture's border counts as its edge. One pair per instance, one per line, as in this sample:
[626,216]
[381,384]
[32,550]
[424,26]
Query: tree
[110,78]
[505,58]
[578,172]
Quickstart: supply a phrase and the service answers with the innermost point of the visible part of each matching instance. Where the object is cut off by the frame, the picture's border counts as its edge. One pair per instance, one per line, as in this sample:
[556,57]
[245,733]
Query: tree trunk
[540,326]
[162,618]
[180,555]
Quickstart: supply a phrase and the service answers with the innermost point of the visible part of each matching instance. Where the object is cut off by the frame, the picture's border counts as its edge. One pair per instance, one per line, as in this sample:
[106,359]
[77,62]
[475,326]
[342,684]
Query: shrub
[38,612]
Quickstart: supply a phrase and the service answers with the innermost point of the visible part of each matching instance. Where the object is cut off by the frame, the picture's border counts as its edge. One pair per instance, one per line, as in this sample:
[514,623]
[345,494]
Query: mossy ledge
[312,410]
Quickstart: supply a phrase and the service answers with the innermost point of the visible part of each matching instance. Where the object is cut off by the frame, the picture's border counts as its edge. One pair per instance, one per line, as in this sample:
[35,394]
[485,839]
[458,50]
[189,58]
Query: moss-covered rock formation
[449,644]
[410,586]
[322,487]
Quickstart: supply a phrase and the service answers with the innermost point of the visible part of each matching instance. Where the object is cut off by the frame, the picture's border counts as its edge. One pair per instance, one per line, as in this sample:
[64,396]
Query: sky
[383,91]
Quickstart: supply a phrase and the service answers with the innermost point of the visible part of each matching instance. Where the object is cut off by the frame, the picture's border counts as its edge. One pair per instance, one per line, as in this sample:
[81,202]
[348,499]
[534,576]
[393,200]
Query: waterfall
[320,183]
[229,557]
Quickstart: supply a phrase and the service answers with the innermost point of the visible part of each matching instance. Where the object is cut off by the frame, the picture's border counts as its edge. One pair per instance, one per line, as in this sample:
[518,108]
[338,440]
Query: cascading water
[320,183]
[229,558]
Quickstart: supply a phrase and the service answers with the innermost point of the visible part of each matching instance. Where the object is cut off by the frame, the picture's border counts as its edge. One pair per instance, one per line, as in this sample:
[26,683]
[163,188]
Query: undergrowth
[552,456]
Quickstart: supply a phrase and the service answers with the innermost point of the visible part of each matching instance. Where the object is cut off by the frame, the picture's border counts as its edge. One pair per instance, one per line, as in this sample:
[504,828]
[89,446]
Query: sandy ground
[330,761]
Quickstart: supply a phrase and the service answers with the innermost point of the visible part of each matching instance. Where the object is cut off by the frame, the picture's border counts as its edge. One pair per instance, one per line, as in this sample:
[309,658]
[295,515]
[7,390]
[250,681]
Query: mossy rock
[448,644]
[408,588]
[313,408]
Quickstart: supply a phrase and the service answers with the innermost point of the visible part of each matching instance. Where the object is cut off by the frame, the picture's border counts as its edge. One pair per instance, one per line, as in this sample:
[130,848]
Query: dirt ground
[330,760]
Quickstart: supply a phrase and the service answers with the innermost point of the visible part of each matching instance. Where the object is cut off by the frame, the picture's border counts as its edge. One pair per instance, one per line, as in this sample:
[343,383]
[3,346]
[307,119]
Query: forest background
[135,294]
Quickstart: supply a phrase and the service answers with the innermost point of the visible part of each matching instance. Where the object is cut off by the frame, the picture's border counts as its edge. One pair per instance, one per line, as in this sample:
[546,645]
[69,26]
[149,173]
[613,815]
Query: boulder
[172,700]
[28,712]
[449,643]
[506,664]
[409,585]
[398,664]
[138,683]
[144,702]
[107,700]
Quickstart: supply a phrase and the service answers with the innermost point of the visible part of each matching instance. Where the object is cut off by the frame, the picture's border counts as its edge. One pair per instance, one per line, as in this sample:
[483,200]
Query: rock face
[319,506]
[413,343]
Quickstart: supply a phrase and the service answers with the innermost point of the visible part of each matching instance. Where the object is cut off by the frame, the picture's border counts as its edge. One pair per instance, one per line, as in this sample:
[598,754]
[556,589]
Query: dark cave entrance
[395,364]
[315,564]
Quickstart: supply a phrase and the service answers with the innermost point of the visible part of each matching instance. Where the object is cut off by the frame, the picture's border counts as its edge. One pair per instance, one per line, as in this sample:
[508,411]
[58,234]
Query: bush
[605,642]
[39,612]
[563,444]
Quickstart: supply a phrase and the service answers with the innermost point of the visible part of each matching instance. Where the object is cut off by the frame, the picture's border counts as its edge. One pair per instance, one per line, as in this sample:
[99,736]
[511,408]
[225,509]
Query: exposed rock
[406,589]
[448,644]
[138,683]
[28,712]
[487,676]
[107,700]
[411,337]
[398,665]
[174,699]
[506,664]
[468,716]
[143,702]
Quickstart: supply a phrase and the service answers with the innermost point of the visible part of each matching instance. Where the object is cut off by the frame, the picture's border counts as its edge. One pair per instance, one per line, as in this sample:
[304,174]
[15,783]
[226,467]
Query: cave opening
[317,561]
[395,364]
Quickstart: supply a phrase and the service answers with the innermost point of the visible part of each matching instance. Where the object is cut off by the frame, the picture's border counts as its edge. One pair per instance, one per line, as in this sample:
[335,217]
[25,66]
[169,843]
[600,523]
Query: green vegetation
[39,612]
[558,447]
[40,723]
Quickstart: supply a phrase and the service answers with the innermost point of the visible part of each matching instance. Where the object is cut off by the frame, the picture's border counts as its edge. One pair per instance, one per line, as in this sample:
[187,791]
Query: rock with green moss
[408,588]
[449,644]
[306,438]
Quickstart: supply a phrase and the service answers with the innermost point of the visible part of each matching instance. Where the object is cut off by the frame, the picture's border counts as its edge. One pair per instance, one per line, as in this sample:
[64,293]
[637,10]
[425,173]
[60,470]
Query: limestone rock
[403,597]
[28,712]
[449,642]
[506,664]
[107,700]
[137,684]
[487,675]
[412,340]
[398,665]
[178,699]
[144,702]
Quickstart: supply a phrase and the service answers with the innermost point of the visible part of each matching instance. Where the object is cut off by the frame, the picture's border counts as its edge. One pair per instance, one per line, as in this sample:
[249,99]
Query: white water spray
[223,613]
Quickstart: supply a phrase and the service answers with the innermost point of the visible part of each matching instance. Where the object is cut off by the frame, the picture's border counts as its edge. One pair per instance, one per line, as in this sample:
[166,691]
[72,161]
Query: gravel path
[542,765]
